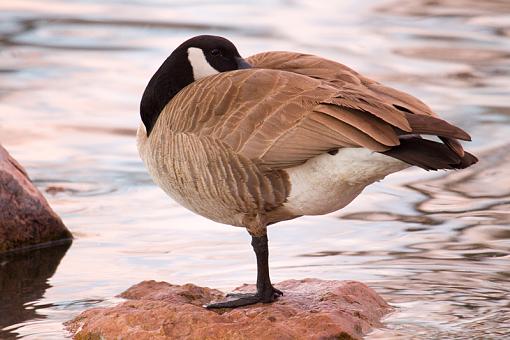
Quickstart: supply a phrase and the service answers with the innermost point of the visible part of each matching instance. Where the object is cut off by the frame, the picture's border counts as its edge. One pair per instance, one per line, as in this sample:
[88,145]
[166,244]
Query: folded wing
[280,118]
[339,75]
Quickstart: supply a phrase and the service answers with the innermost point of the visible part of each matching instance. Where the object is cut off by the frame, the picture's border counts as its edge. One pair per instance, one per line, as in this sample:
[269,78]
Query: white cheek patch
[201,68]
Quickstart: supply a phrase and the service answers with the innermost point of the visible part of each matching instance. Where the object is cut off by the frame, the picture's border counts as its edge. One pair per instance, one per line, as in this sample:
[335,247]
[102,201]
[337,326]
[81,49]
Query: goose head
[196,58]
[208,55]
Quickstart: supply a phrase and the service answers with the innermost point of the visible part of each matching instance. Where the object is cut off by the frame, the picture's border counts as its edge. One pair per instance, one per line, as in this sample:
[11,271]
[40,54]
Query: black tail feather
[429,155]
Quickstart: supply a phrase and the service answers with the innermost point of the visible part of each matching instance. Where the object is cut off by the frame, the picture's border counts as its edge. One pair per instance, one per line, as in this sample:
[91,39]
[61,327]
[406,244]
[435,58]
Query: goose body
[277,136]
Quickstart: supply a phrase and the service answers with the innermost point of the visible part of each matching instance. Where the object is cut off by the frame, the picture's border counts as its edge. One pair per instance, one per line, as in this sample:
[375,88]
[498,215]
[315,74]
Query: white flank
[327,182]
[201,68]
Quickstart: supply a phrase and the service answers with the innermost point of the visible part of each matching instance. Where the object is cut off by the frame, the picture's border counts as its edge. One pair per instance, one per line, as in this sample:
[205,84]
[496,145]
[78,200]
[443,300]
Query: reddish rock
[26,218]
[309,309]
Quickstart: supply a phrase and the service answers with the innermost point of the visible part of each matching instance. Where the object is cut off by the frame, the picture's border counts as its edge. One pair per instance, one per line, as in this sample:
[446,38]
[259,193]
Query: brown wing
[339,75]
[281,119]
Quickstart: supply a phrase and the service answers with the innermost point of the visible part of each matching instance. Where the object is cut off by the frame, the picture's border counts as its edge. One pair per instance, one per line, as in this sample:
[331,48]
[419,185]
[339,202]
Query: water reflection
[23,281]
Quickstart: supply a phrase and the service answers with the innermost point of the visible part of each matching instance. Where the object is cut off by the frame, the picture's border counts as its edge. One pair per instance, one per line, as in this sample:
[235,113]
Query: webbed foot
[244,299]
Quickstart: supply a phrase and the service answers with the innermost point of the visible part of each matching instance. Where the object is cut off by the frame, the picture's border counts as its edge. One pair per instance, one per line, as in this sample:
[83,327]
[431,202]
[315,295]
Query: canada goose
[280,135]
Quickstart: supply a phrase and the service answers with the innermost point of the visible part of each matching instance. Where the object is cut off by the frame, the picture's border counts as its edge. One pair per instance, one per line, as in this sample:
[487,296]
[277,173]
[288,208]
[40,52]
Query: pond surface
[436,245]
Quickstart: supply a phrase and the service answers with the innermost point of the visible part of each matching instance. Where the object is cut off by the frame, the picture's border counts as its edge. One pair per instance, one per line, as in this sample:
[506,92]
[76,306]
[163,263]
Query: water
[435,245]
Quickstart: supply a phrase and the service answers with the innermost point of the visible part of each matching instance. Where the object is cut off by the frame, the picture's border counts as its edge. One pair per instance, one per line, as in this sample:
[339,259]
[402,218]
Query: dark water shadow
[24,279]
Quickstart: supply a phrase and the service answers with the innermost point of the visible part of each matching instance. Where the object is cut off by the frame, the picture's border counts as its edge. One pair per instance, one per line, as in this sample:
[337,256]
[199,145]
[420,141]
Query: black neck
[171,77]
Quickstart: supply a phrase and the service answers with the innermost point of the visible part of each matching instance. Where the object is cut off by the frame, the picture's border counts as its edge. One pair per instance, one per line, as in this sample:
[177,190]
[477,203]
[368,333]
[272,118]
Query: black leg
[264,286]
[265,291]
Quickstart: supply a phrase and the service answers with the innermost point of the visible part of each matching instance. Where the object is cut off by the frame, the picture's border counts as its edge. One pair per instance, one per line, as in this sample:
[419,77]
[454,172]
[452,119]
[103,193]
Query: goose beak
[242,64]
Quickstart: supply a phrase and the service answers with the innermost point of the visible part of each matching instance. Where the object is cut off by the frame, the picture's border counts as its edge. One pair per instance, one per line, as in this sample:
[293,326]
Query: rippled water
[435,245]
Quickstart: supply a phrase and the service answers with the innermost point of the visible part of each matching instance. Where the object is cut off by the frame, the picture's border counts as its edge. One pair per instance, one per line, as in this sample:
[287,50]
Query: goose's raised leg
[266,293]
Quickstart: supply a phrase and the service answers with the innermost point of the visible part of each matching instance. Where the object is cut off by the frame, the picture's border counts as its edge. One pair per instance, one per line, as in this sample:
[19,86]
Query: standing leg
[264,287]
[265,291]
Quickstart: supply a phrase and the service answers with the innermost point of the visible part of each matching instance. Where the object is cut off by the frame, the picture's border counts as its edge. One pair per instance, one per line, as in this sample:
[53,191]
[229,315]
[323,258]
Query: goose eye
[215,52]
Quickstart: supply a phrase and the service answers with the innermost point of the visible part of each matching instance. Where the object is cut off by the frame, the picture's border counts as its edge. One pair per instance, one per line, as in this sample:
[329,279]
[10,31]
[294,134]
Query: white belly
[327,182]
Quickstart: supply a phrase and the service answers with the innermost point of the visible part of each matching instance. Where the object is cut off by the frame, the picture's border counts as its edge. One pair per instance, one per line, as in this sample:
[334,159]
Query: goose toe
[244,299]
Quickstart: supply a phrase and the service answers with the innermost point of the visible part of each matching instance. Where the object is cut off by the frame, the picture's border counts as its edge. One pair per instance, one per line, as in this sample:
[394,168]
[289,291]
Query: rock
[26,218]
[309,309]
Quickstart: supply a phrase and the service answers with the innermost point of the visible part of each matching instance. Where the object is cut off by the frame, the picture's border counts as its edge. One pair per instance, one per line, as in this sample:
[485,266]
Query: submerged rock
[26,219]
[309,309]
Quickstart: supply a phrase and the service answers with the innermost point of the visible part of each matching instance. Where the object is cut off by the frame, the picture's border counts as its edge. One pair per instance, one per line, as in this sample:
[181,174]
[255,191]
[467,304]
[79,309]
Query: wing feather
[277,118]
[292,107]
[379,96]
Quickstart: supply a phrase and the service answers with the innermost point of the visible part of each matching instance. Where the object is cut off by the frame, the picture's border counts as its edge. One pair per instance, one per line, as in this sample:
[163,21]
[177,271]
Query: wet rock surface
[309,309]
[26,219]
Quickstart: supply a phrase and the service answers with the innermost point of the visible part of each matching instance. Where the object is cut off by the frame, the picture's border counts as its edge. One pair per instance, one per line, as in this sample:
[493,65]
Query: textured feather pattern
[277,110]
[229,146]
[339,75]
[207,177]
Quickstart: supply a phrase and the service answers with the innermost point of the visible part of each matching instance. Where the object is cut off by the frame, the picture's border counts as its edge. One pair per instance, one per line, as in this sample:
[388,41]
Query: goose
[278,135]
